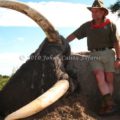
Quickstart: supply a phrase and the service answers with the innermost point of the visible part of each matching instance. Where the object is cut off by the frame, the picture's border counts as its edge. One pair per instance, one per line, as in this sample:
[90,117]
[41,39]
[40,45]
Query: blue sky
[20,36]
[88,2]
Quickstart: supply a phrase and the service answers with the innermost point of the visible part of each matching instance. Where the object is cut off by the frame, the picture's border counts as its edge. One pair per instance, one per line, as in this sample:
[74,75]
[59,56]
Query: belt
[101,49]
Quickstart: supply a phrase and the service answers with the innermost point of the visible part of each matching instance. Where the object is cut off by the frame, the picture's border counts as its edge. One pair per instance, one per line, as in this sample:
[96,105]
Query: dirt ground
[74,107]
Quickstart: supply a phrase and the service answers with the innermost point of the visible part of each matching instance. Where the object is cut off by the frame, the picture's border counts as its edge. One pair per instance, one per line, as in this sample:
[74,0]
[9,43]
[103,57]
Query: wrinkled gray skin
[45,66]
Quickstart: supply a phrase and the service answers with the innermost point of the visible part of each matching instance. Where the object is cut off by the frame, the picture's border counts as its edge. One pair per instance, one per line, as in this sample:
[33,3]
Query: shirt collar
[102,25]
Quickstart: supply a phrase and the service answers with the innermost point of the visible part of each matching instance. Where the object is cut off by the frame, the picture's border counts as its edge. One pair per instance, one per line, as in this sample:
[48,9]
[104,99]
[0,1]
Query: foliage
[3,80]
[116,7]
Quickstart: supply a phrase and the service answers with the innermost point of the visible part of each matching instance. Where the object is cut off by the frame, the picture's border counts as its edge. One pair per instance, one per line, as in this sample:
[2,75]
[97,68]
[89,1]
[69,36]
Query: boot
[103,107]
[111,105]
[108,105]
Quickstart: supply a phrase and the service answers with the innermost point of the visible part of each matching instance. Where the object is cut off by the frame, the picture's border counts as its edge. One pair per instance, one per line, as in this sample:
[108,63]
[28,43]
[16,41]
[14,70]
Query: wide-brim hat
[99,4]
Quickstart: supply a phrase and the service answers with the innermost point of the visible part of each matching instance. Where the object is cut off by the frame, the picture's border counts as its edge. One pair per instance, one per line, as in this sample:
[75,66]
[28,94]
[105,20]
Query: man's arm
[79,33]
[71,37]
[117,49]
[116,38]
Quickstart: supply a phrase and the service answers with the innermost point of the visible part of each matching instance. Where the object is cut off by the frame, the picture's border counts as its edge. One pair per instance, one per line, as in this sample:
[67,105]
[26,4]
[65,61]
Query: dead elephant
[45,68]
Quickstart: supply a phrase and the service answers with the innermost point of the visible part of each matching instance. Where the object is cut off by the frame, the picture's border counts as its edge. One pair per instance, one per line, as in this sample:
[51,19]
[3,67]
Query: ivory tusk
[49,30]
[40,103]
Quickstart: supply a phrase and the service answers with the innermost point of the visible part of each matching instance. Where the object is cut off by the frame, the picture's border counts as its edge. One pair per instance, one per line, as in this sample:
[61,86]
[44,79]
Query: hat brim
[106,10]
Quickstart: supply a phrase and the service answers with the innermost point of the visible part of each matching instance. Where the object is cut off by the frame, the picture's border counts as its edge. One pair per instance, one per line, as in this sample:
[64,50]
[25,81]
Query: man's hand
[70,38]
[117,64]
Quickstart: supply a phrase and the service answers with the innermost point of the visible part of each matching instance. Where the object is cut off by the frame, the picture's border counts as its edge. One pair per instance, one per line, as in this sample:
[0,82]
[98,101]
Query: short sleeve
[81,31]
[114,34]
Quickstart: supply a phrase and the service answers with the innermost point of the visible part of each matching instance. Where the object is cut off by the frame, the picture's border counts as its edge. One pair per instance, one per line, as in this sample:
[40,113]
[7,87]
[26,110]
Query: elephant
[51,72]
[43,78]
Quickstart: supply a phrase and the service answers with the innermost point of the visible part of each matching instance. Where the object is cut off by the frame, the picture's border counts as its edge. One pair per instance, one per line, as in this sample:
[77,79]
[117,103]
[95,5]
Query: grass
[3,81]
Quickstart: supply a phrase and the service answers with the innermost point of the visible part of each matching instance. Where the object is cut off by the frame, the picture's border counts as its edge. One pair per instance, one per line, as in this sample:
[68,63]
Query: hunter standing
[102,37]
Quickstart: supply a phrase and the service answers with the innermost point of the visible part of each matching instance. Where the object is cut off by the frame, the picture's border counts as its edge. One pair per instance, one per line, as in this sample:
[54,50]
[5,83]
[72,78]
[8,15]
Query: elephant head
[53,38]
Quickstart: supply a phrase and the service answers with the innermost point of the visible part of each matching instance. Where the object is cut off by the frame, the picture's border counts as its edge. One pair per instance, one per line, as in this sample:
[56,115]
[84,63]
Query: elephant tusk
[60,88]
[40,103]
[49,30]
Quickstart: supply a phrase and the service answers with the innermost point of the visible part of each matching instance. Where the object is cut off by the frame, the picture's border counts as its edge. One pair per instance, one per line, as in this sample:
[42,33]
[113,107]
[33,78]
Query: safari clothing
[103,60]
[97,37]
[100,41]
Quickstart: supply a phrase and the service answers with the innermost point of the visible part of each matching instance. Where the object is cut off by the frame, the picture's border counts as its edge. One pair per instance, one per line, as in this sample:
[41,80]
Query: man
[102,37]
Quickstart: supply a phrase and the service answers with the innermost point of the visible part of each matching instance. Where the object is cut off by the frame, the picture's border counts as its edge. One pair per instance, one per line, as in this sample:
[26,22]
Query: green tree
[3,80]
[116,7]
[0,76]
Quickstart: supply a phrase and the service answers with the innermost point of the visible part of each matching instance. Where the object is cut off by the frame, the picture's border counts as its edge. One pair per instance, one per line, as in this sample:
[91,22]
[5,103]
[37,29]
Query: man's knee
[109,76]
[100,76]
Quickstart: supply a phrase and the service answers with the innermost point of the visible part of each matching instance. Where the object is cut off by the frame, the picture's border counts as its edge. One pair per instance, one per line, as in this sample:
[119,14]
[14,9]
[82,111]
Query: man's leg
[105,85]
[109,79]
[102,84]
[104,89]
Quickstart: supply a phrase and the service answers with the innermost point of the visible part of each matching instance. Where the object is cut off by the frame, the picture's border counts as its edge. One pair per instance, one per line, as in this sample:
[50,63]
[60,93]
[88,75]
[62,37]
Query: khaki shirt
[97,38]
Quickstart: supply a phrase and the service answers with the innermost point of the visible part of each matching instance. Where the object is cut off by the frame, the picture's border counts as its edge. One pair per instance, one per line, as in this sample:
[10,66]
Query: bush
[0,76]
[5,76]
[3,81]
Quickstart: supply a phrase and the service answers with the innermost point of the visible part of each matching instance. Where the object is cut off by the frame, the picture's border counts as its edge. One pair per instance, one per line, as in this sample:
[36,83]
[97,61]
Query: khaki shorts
[103,60]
